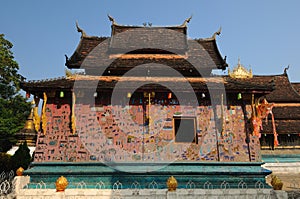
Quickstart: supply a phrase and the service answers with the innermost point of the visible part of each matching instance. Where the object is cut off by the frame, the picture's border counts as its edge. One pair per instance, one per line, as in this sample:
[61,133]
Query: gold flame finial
[61,184]
[276,183]
[172,184]
[20,171]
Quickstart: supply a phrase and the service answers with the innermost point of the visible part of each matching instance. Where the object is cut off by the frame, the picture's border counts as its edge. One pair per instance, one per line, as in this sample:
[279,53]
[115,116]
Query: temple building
[145,101]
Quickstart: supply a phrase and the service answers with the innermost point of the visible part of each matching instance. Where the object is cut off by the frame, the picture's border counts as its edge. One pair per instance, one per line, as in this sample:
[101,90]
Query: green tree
[14,108]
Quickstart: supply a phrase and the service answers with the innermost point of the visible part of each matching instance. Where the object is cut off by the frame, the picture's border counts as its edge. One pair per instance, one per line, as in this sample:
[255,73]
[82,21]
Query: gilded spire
[240,71]
[29,122]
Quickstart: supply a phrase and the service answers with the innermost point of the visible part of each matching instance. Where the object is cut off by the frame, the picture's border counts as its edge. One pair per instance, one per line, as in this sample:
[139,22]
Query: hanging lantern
[239,96]
[61,94]
[95,94]
[169,95]
[129,95]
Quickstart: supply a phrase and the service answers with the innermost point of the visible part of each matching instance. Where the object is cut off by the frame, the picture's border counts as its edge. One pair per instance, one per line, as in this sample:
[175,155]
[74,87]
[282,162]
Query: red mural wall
[119,133]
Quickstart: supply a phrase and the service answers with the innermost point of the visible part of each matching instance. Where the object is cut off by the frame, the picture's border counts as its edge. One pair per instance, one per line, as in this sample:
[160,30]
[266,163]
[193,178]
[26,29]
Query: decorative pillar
[246,128]
[73,119]
[36,117]
[44,117]
[223,116]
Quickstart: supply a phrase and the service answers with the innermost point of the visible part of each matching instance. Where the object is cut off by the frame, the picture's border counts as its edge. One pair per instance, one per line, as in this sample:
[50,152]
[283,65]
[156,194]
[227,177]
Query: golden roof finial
[113,21]
[83,34]
[184,24]
[240,71]
[217,33]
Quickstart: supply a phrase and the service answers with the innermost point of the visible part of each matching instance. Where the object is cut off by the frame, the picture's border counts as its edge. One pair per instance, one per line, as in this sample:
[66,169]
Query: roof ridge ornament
[113,21]
[83,34]
[217,33]
[186,21]
[286,69]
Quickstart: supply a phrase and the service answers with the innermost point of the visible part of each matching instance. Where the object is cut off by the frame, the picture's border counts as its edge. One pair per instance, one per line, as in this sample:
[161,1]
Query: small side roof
[253,85]
[284,90]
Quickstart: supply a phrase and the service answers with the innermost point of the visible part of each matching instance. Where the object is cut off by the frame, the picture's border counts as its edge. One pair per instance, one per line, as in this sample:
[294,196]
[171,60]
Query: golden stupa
[28,133]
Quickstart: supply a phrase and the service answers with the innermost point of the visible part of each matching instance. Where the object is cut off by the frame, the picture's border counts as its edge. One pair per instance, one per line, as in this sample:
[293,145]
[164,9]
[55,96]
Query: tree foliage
[5,162]
[21,158]
[13,107]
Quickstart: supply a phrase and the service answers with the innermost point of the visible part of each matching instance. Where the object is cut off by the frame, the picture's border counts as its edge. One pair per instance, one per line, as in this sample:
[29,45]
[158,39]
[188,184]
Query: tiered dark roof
[132,38]
[163,45]
[106,59]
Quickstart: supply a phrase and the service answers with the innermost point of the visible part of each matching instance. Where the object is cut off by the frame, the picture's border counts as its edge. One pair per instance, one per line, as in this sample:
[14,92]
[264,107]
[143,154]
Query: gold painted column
[36,117]
[44,117]
[73,119]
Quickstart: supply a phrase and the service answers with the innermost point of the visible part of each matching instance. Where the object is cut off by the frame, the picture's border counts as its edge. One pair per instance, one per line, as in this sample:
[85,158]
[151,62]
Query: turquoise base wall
[198,173]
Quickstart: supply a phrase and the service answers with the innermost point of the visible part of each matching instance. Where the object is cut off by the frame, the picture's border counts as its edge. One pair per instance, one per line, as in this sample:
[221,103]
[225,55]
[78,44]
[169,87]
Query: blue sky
[263,33]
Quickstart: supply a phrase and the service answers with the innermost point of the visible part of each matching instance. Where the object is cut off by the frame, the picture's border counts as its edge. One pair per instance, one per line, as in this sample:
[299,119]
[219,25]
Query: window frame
[194,128]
